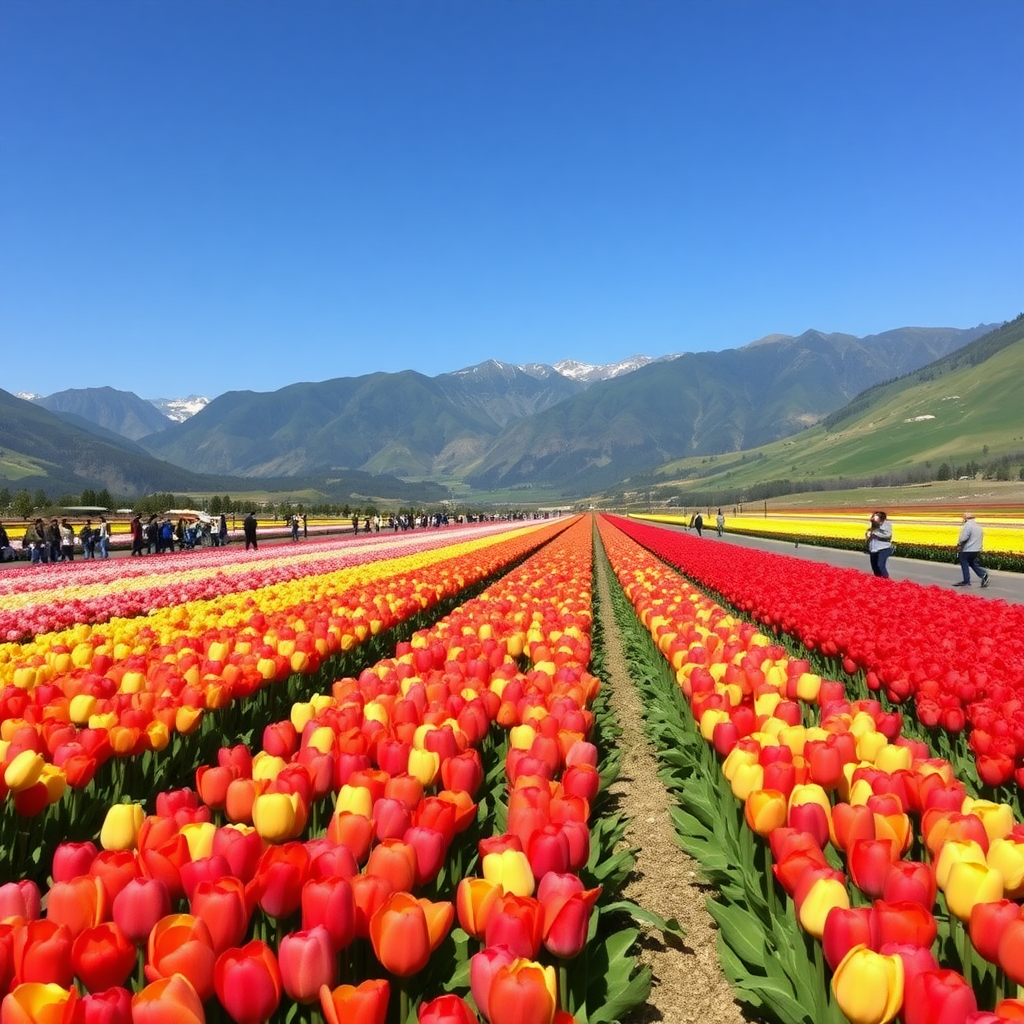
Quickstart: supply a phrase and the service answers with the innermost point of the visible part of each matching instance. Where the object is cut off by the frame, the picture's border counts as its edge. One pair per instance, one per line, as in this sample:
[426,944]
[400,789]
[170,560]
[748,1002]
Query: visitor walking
[968,551]
[720,523]
[698,524]
[879,540]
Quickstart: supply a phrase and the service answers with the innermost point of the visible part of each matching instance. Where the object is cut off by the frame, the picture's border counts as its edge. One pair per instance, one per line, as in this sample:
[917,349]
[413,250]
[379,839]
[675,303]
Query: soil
[688,984]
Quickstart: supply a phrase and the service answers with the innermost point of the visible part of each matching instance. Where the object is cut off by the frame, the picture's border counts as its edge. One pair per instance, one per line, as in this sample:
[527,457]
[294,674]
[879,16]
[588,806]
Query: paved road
[1006,586]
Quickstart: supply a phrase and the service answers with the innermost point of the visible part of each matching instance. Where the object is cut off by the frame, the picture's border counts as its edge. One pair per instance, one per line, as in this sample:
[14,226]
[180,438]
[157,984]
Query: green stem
[403,1000]
[563,985]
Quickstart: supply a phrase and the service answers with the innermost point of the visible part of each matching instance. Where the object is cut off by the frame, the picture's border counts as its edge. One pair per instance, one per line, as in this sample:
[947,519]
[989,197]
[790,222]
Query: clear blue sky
[204,196]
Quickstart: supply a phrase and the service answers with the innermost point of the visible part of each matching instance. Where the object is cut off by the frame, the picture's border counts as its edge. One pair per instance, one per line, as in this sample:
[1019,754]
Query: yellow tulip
[121,826]
[511,870]
[276,816]
[24,771]
[424,765]
[199,836]
[868,987]
[1007,857]
[997,818]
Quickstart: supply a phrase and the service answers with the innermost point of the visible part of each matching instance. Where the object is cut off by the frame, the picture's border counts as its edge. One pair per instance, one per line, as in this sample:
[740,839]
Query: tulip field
[366,782]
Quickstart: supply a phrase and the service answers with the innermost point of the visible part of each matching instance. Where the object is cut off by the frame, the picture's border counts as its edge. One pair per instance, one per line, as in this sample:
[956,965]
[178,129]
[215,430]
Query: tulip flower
[20,899]
[987,924]
[394,860]
[121,826]
[241,846]
[1006,855]
[307,963]
[870,861]
[765,810]
[523,991]
[365,1003]
[405,931]
[369,893]
[511,870]
[916,960]
[567,907]
[518,923]
[901,922]
[170,1000]
[474,899]
[225,905]
[911,880]
[448,1009]
[102,957]
[39,1003]
[868,986]
[112,1006]
[248,982]
[281,874]
[72,859]
[845,927]
[1011,950]
[429,849]
[818,891]
[938,997]
[969,884]
[42,952]
[278,817]
[182,944]
[79,903]
[330,902]
[138,907]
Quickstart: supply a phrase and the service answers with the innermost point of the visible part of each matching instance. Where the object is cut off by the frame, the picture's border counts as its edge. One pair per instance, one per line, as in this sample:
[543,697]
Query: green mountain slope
[963,407]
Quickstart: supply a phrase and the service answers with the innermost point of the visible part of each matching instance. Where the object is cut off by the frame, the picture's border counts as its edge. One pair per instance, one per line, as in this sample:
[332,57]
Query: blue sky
[200,197]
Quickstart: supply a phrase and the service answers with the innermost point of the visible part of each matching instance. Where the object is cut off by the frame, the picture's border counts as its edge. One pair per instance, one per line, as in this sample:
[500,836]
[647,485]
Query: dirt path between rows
[688,982]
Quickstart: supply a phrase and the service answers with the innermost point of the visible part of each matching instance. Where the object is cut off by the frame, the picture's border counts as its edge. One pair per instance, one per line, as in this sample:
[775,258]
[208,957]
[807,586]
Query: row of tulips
[94,591]
[249,860]
[829,783]
[961,660]
[82,697]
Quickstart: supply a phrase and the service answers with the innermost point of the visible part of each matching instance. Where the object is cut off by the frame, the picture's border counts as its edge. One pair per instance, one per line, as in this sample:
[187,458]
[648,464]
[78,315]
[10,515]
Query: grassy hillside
[964,407]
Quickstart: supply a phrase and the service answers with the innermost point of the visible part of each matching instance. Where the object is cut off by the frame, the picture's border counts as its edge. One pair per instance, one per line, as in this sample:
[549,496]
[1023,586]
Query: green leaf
[742,932]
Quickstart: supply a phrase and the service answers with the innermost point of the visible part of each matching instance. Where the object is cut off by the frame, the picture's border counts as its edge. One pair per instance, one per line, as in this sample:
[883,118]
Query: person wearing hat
[968,551]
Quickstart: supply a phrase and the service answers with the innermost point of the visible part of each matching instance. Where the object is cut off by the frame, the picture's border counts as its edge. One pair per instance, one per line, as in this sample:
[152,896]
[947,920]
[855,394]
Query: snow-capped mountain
[28,396]
[586,373]
[180,409]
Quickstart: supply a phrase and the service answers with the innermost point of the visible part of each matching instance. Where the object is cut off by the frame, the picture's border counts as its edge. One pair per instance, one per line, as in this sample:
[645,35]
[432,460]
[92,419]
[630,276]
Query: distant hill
[702,404]
[40,449]
[961,408]
[122,412]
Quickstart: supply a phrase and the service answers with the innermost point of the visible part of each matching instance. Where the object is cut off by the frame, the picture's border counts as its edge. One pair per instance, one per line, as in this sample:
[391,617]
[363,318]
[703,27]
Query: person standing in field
[879,538]
[720,523]
[249,529]
[104,531]
[698,524]
[67,541]
[968,551]
[136,530]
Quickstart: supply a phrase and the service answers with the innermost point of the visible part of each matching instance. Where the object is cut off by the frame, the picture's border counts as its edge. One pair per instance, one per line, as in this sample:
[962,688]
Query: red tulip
[1011,950]
[405,931]
[365,1003]
[916,959]
[331,860]
[114,1006]
[225,905]
[483,967]
[446,1010]
[911,880]
[248,982]
[901,922]
[330,902]
[938,997]
[845,927]
[102,957]
[79,903]
[138,907]
[548,850]
[353,830]
[567,907]
[42,953]
[72,859]
[20,899]
[281,874]
[241,846]
[516,922]
[988,922]
[429,848]
[307,963]
[369,892]
[870,861]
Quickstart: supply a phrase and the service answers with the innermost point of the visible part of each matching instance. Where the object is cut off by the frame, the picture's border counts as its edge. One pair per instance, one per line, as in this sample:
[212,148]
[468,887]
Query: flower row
[961,660]
[95,591]
[846,788]
[200,900]
[123,688]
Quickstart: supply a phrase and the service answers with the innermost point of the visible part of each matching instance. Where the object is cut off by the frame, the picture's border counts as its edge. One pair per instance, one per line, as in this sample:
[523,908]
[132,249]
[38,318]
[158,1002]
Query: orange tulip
[523,991]
[182,944]
[170,1000]
[102,957]
[474,899]
[366,1003]
[38,1003]
[406,930]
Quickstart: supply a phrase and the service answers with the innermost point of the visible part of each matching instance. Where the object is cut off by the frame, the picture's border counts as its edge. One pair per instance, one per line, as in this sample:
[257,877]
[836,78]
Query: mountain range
[571,428]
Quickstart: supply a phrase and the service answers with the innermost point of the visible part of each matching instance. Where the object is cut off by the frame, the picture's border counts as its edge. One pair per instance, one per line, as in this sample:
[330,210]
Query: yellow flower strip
[61,651]
[1002,533]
